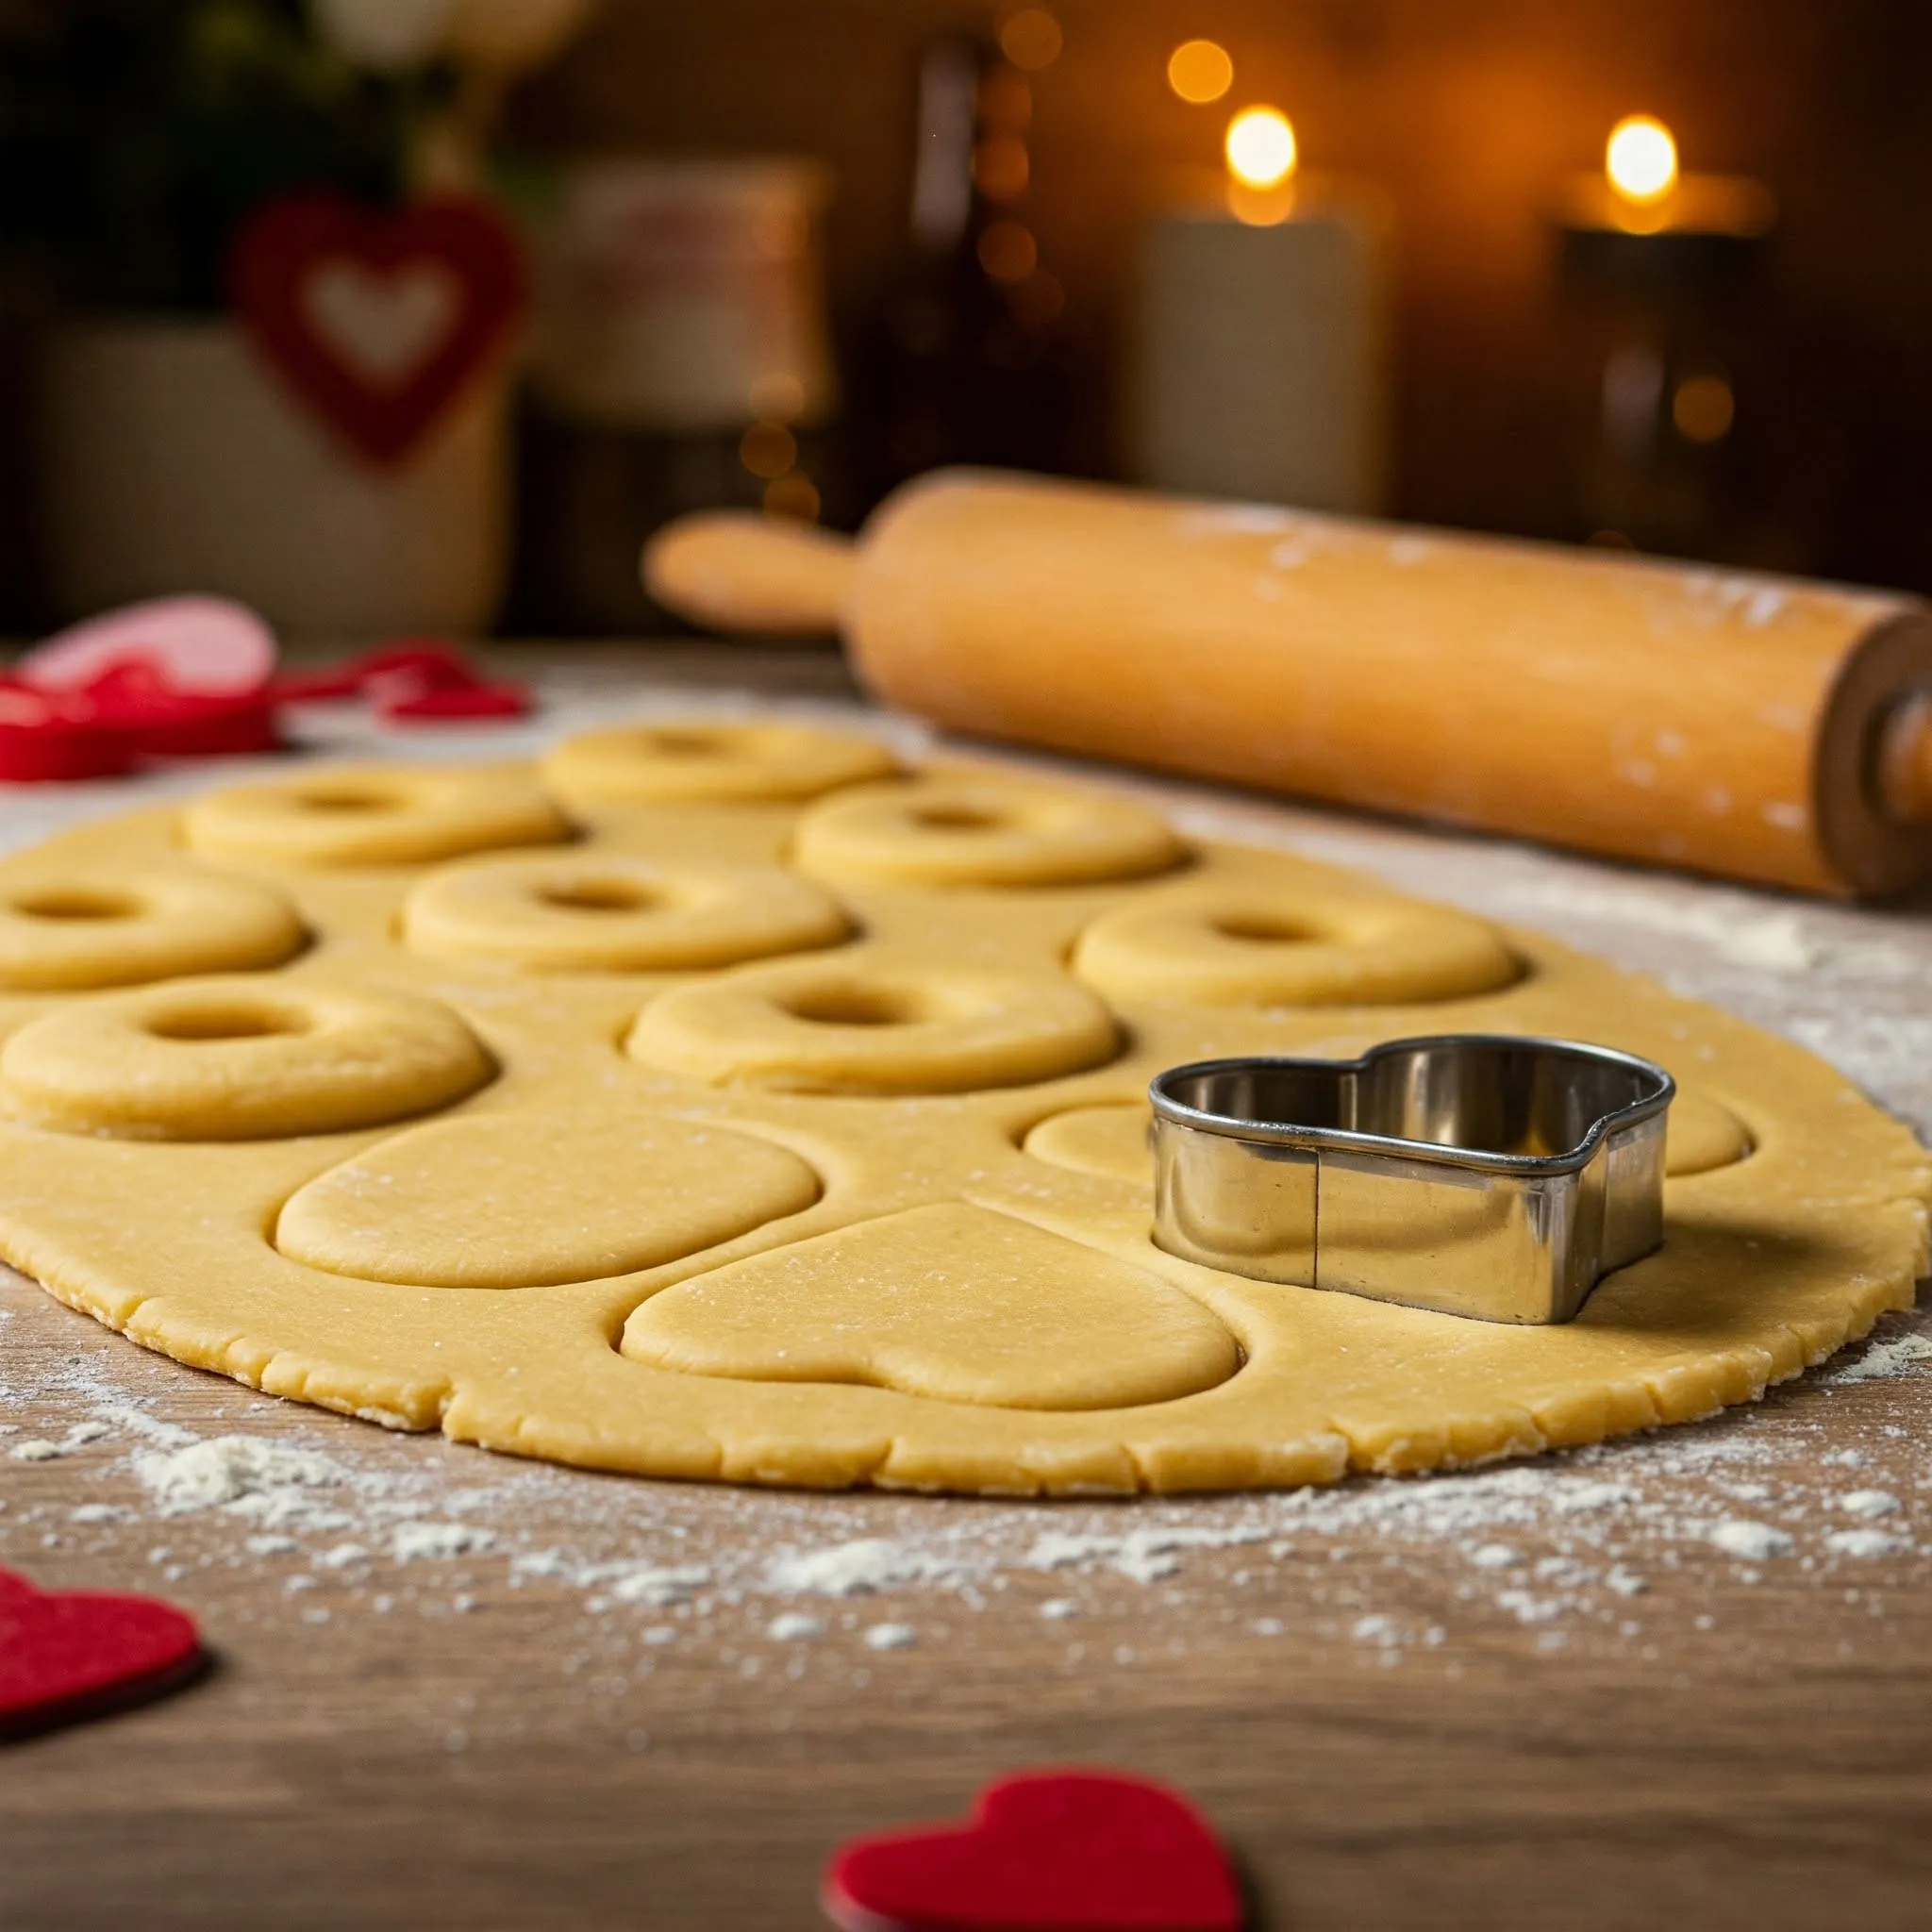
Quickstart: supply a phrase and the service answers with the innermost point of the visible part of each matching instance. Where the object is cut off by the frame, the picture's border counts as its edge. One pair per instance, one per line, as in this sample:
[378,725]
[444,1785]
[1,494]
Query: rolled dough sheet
[786,1126]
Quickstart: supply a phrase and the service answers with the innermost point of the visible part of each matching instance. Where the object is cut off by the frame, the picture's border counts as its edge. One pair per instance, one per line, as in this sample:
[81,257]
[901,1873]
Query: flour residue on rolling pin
[1675,599]
[1470,679]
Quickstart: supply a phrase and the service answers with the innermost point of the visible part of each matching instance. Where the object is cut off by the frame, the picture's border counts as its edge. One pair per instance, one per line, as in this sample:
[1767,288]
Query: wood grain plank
[1737,1745]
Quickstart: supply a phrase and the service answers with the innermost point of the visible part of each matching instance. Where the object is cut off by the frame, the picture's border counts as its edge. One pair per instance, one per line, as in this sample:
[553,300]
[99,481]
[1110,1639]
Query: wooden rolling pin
[1761,728]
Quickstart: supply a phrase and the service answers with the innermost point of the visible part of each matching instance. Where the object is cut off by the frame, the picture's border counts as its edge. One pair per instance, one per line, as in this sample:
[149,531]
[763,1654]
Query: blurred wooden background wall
[1469,112]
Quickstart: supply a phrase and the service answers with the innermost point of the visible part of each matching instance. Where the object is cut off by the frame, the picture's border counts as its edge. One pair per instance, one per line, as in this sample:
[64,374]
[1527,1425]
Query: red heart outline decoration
[1053,1851]
[68,1655]
[272,278]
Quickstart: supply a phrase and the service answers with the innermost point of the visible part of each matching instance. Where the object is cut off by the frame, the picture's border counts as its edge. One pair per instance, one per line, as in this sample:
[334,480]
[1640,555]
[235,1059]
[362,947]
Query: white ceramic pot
[173,461]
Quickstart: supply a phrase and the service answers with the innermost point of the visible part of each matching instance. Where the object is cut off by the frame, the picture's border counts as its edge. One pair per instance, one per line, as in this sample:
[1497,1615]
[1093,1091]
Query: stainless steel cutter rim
[1289,1133]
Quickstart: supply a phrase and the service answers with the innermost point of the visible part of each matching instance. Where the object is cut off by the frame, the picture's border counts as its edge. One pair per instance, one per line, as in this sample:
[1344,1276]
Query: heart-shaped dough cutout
[526,1198]
[953,1302]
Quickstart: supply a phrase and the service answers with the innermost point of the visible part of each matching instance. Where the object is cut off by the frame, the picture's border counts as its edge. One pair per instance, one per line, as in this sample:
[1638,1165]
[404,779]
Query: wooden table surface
[1532,1696]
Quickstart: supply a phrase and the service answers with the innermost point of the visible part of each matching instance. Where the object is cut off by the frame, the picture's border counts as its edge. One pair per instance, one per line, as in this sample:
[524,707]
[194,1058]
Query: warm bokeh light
[1038,300]
[778,396]
[795,496]
[1005,101]
[768,449]
[1642,158]
[1001,168]
[1031,38]
[1200,71]
[1261,147]
[1007,251]
[1703,408]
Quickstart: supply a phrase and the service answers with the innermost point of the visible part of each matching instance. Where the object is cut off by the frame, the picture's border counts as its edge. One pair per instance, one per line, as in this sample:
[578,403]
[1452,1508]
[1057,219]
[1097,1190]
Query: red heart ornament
[69,1654]
[1058,1851]
[379,320]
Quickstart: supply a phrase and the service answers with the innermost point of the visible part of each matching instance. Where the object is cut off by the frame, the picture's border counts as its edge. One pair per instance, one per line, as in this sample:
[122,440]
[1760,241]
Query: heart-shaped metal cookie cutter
[1481,1174]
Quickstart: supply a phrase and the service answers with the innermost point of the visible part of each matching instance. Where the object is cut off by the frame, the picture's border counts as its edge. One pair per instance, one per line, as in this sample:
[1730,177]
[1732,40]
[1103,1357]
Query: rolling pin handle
[759,576]
[1904,758]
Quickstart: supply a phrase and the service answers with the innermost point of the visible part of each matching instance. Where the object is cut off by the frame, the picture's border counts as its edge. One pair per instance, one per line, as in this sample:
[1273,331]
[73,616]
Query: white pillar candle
[1259,363]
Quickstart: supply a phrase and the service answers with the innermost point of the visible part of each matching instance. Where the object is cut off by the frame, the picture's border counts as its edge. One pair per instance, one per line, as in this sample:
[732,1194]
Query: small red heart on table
[378,319]
[69,1654]
[1068,1851]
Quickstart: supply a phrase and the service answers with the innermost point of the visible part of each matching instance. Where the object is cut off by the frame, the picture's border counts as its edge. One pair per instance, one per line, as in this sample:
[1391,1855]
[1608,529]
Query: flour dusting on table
[1594,1548]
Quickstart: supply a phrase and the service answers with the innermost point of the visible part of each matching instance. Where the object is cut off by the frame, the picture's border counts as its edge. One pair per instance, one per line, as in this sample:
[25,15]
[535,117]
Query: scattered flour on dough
[1735,927]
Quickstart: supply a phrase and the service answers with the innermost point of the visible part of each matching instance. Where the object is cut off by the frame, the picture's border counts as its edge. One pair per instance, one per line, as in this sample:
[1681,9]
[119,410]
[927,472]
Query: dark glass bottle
[964,357]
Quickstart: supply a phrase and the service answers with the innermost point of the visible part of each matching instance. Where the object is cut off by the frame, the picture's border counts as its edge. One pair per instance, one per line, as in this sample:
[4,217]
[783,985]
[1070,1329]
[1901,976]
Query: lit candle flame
[1261,147]
[1641,160]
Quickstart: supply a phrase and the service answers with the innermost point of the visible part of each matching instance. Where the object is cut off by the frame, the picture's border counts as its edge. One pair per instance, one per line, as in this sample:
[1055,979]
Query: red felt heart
[75,1654]
[1065,1851]
[379,320]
